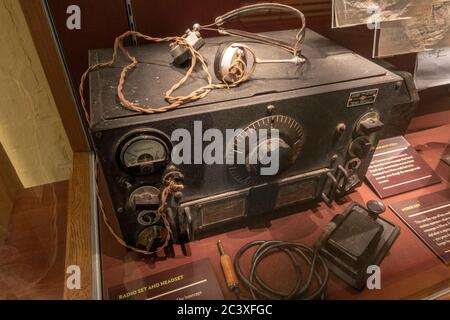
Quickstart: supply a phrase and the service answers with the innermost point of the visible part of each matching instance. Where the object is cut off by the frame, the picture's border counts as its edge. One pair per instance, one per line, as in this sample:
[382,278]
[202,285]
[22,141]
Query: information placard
[192,281]
[429,217]
[396,168]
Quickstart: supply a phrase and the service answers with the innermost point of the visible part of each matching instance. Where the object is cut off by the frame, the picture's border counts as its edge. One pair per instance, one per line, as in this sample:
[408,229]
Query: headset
[235,62]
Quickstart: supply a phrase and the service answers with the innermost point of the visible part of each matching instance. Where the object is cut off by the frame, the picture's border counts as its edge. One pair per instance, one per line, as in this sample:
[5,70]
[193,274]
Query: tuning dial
[286,145]
[375,208]
[270,147]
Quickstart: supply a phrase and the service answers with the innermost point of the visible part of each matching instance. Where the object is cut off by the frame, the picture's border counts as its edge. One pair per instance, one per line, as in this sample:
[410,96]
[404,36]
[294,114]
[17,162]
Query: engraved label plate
[361,98]
[222,210]
[297,192]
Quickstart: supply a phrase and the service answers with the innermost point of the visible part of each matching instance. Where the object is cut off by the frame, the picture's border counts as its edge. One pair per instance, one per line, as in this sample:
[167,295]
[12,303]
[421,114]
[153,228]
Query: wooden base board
[79,240]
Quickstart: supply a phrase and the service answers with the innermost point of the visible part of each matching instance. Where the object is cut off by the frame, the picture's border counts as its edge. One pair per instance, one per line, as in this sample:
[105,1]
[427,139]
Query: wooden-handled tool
[228,268]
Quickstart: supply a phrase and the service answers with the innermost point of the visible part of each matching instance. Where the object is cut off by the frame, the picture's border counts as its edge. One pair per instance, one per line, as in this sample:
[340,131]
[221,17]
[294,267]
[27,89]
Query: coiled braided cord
[237,68]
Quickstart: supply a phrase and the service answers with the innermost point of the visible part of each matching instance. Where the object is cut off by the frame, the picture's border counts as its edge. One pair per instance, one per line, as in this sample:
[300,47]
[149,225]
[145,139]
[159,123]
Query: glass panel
[35,167]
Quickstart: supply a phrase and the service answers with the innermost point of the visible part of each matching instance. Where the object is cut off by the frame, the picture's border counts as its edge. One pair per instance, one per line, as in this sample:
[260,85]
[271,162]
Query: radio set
[327,105]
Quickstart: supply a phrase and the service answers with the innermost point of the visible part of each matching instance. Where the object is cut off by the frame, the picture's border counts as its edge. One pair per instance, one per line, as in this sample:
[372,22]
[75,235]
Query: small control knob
[360,147]
[184,225]
[369,123]
[151,238]
[144,198]
[375,208]
[369,126]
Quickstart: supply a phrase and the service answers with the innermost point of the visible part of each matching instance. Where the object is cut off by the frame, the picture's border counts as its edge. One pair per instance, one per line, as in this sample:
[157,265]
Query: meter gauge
[144,154]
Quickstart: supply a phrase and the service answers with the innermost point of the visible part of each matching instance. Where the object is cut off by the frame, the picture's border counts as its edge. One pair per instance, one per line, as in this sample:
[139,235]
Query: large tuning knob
[285,145]
[271,146]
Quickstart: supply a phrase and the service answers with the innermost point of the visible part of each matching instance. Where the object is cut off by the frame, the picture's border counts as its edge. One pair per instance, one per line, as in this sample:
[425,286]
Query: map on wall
[429,30]
[348,13]
[433,68]
[401,26]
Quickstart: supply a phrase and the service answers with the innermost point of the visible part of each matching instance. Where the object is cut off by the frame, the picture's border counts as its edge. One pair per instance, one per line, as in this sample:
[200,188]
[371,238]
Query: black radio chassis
[341,102]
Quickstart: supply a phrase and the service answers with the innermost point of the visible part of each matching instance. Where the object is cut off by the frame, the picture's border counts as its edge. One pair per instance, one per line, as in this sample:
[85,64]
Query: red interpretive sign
[396,168]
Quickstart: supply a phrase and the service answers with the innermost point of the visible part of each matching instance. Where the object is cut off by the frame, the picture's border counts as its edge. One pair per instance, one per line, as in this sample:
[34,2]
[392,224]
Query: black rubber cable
[318,270]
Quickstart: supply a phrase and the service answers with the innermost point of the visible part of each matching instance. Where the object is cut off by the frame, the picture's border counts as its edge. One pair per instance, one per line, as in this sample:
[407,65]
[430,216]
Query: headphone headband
[295,49]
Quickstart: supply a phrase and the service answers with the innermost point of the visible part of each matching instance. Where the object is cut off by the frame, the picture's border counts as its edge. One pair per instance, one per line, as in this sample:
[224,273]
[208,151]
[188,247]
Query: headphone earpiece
[230,63]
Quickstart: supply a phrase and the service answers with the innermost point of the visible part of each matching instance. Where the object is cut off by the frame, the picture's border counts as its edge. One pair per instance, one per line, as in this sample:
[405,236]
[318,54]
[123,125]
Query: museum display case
[231,150]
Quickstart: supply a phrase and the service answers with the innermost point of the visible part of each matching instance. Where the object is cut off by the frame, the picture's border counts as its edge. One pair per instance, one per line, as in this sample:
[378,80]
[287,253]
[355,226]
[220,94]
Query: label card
[396,168]
[193,281]
[429,217]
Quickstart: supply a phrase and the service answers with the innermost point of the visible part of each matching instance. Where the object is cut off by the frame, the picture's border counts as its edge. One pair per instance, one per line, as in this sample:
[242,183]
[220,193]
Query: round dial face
[144,152]
[291,140]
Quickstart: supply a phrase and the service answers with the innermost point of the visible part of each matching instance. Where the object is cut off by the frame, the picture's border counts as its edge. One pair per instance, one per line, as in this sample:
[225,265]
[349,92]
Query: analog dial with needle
[144,153]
